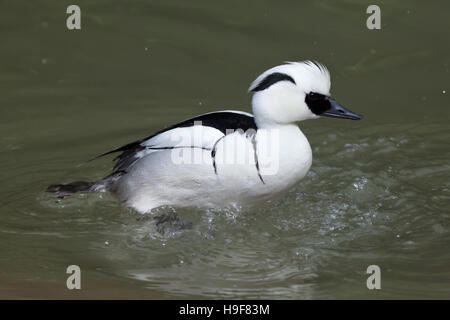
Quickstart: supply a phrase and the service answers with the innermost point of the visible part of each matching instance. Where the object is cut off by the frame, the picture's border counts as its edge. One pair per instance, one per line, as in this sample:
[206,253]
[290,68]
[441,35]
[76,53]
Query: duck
[229,158]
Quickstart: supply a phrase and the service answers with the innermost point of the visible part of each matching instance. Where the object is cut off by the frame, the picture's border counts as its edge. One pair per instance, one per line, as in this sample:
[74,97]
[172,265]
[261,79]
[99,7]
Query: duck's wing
[214,125]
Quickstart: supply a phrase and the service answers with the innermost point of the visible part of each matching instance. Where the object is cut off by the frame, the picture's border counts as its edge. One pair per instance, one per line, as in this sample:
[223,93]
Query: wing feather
[214,125]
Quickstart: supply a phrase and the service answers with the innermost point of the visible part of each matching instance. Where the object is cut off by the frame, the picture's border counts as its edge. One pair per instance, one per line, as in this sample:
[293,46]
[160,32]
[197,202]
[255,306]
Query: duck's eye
[315,96]
[317,102]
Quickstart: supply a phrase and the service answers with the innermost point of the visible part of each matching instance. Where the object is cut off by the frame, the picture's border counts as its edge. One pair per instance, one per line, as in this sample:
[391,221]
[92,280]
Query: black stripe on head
[318,103]
[271,79]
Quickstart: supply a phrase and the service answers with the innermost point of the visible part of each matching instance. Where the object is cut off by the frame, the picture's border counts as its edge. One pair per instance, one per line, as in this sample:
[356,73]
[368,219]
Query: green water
[378,191]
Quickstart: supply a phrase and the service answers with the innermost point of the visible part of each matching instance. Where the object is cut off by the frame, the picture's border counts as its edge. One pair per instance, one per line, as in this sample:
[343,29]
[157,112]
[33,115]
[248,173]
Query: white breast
[284,155]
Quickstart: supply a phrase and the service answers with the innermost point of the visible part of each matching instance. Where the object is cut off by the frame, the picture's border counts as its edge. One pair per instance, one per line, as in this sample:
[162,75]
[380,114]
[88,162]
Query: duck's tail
[105,184]
[62,190]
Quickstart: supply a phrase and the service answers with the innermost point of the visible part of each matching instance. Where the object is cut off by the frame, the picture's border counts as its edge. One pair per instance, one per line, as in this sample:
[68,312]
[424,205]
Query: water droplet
[437,228]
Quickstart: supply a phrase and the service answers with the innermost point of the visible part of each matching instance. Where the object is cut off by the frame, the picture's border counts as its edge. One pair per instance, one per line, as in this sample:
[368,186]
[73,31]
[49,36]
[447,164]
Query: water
[378,191]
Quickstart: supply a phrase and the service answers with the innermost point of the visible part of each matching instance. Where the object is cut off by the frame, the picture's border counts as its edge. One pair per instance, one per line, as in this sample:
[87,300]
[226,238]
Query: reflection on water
[377,193]
[366,201]
[334,224]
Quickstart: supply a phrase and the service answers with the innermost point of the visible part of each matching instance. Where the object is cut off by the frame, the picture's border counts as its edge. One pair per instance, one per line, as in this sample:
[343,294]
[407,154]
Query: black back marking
[272,79]
[253,140]
[256,159]
[213,154]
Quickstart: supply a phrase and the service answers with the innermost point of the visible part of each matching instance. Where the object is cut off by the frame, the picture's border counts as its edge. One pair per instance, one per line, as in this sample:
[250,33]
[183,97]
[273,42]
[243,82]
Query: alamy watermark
[374,280]
[204,145]
[374,20]
[73,22]
[74,280]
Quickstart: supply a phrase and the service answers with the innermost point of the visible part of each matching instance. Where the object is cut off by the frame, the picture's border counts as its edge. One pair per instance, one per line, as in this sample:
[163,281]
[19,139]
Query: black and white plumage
[225,158]
[221,121]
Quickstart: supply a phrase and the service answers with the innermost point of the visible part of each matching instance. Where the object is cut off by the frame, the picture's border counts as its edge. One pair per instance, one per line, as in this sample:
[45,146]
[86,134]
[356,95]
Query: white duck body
[205,162]
[159,178]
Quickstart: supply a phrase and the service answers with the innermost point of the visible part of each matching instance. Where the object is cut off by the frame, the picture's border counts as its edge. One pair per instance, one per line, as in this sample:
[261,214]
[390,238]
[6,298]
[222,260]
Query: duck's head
[293,92]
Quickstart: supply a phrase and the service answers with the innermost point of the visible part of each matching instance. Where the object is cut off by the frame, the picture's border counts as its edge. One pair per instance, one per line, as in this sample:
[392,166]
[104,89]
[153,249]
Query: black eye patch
[272,79]
[317,103]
